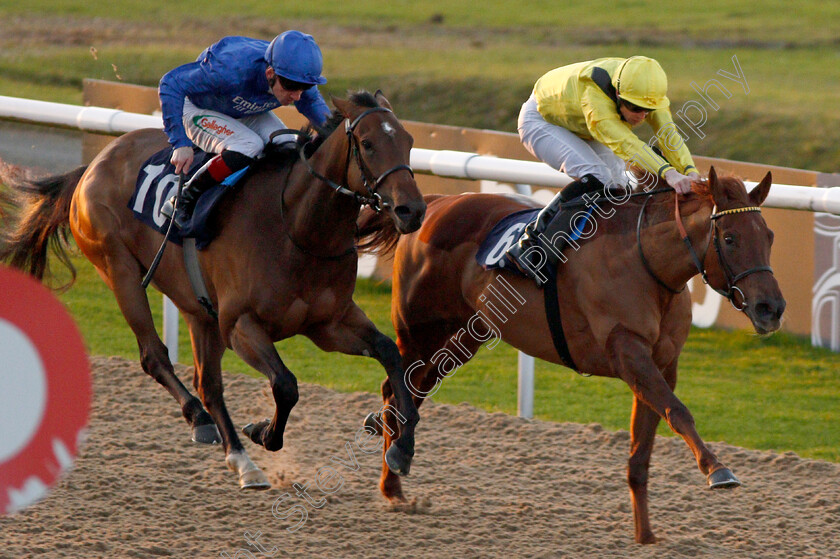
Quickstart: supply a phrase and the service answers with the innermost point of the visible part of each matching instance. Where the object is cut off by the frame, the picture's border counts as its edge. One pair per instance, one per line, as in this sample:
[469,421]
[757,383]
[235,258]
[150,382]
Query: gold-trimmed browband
[735,211]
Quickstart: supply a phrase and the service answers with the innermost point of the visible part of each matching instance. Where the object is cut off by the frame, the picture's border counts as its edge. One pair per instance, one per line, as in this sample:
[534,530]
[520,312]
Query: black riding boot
[213,172]
[190,194]
[529,238]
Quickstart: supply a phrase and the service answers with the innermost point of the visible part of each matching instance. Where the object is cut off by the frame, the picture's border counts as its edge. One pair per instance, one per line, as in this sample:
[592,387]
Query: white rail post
[170,328]
[525,387]
[525,382]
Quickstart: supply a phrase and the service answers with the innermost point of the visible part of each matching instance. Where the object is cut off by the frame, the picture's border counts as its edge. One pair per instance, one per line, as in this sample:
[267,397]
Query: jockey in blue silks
[222,104]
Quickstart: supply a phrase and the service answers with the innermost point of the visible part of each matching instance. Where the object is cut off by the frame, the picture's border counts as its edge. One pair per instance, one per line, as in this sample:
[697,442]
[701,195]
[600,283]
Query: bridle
[372,199]
[731,277]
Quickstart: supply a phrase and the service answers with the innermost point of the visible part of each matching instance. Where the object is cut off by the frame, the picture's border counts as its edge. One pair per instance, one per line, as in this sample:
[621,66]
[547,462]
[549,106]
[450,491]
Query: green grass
[476,66]
[769,20]
[767,393]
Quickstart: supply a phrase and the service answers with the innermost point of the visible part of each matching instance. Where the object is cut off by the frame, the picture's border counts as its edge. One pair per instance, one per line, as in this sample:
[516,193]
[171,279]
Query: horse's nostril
[403,212]
[770,310]
[763,310]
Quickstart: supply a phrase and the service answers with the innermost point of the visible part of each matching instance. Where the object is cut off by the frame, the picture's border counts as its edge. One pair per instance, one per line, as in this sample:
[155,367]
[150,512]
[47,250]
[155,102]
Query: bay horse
[624,315]
[284,262]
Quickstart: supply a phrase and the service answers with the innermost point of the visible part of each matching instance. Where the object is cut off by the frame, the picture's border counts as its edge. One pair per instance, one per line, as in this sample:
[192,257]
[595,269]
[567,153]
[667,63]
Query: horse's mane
[376,233]
[312,137]
[361,98]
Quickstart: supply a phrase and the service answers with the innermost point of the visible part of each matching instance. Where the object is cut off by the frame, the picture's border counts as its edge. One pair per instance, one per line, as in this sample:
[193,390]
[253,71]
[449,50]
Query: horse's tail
[34,214]
[376,232]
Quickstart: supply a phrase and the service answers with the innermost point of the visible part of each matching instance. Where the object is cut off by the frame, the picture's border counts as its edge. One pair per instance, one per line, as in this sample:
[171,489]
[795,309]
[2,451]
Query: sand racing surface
[482,485]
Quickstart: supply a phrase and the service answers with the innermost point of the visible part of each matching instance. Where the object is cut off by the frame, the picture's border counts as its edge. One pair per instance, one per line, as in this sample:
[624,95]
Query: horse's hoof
[372,423]
[254,431]
[254,479]
[250,475]
[722,478]
[398,461]
[206,434]
[248,429]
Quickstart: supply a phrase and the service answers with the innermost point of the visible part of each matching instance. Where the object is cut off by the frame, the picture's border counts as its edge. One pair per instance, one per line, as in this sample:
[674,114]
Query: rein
[731,278]
[297,245]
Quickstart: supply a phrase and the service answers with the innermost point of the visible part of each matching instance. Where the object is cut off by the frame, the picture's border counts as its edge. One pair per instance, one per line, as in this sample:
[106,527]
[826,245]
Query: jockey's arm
[174,86]
[671,142]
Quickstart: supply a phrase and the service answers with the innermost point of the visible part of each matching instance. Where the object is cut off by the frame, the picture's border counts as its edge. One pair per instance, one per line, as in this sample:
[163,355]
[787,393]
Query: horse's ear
[762,189]
[714,185]
[717,189]
[342,105]
[383,102]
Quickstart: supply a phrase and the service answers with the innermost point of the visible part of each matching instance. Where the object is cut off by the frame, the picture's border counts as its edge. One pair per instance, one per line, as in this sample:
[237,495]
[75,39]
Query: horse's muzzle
[766,314]
[409,217]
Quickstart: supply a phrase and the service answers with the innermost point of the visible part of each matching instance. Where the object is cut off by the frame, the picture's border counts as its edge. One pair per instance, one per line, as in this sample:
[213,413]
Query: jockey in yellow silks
[579,120]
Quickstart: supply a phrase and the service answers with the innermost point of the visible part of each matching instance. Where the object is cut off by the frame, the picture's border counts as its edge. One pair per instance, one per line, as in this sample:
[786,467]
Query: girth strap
[555,324]
[196,279]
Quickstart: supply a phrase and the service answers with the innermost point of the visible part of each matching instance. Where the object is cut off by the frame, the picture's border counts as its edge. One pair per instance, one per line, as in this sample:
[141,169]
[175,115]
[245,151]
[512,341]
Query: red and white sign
[45,390]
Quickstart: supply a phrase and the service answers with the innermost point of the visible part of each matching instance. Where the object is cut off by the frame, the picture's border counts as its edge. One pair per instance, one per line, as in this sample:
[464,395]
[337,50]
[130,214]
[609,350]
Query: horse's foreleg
[207,353]
[400,451]
[124,275]
[355,334]
[422,380]
[251,342]
[630,358]
[417,345]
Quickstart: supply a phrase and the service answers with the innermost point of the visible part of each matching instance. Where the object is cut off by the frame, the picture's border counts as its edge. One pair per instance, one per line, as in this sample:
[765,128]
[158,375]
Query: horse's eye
[729,239]
[367,144]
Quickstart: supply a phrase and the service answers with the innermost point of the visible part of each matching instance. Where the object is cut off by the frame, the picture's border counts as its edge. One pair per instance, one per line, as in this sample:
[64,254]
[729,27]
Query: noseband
[373,199]
[731,277]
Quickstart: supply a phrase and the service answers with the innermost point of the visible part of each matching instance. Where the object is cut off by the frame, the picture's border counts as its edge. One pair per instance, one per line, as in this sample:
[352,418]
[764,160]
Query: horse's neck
[670,259]
[314,210]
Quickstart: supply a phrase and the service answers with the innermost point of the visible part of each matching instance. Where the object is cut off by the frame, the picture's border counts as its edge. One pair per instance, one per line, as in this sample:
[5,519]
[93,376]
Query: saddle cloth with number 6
[157,182]
[491,253]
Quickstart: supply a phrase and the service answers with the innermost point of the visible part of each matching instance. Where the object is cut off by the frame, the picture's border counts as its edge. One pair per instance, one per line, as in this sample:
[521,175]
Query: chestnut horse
[284,262]
[622,317]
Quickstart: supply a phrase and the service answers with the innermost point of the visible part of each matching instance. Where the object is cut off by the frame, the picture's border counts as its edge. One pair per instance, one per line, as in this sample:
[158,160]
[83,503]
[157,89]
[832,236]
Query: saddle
[564,231]
[569,226]
[157,182]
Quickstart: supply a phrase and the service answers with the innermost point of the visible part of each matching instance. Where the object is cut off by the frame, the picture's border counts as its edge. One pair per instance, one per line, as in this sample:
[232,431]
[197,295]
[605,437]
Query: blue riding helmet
[295,56]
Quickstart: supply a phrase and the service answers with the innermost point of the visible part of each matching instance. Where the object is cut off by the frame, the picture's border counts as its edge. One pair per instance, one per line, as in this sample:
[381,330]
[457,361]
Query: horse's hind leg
[207,354]
[124,274]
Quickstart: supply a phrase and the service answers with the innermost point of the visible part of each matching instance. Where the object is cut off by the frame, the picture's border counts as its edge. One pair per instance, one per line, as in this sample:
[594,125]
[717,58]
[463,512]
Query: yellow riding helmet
[641,80]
